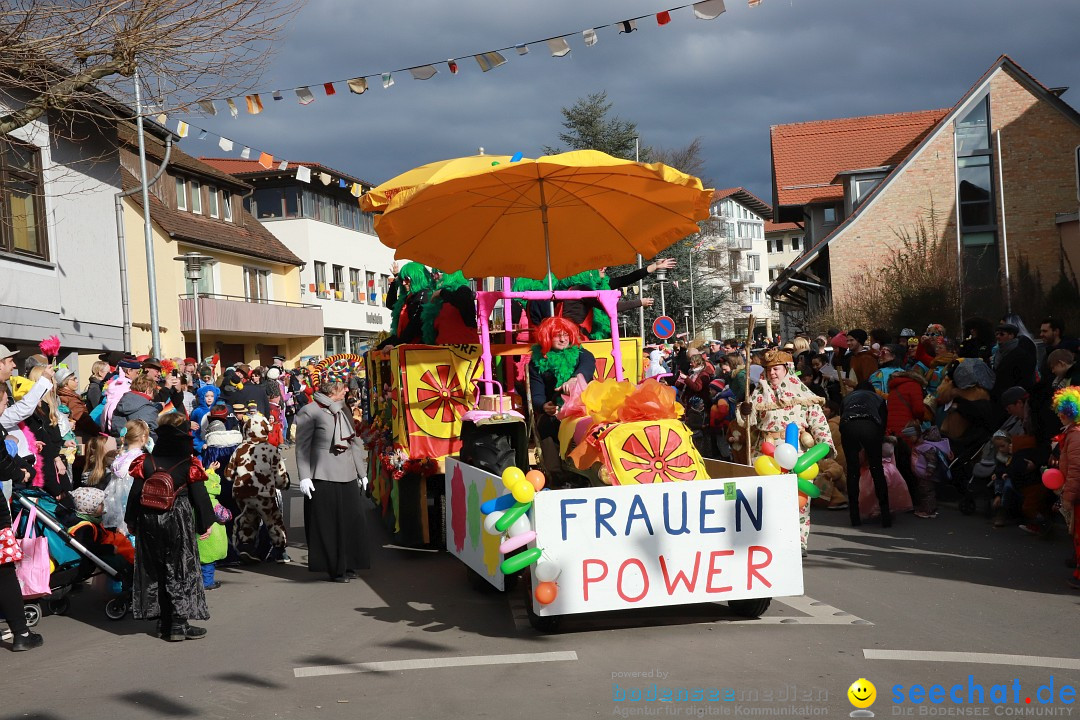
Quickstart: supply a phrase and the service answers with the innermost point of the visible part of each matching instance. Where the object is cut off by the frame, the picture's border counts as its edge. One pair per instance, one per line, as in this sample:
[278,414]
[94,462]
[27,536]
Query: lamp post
[661,278]
[193,266]
[686,316]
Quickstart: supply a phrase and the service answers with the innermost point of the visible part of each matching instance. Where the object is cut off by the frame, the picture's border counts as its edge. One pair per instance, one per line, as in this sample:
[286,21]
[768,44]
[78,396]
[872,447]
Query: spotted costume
[258,474]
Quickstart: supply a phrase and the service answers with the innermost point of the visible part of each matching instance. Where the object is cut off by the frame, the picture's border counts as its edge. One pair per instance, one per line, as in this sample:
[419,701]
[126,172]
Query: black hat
[1008,328]
[1013,395]
[151,362]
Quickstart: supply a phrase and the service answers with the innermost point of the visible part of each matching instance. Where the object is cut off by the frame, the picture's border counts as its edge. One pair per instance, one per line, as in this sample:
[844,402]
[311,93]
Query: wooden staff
[746,388]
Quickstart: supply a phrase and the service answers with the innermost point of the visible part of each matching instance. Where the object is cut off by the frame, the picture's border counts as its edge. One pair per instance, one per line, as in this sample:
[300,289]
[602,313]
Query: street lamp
[686,316]
[661,278]
[193,267]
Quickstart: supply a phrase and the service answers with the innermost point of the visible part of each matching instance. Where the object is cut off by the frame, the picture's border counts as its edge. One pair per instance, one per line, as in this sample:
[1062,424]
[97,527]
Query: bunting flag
[162,118]
[341,183]
[424,72]
[225,144]
[284,165]
[387,80]
[254,104]
[328,88]
[304,95]
[490,60]
[558,47]
[182,128]
[325,179]
[709,9]
[521,50]
[663,18]
[246,153]
[754,3]
[202,135]
[590,37]
[627,26]
[452,64]
[357,86]
[208,107]
[356,190]
[266,160]
[232,108]
[303,173]
[278,95]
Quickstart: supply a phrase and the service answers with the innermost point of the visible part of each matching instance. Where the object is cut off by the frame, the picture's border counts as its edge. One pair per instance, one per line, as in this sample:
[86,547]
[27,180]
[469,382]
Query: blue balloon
[791,435]
[516,157]
[500,503]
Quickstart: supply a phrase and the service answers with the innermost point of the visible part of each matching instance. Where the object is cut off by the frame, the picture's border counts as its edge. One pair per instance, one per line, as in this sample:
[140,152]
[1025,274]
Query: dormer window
[861,187]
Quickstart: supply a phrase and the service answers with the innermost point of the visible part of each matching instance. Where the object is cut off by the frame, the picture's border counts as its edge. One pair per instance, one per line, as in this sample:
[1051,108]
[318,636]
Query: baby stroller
[971,469]
[72,561]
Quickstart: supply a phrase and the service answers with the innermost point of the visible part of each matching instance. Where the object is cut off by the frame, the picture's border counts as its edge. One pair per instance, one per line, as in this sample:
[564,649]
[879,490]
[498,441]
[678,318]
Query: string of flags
[558,46]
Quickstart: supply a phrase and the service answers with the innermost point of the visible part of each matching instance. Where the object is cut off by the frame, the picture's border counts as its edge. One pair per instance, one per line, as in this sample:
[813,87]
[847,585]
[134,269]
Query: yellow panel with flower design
[438,388]
[605,365]
[651,451]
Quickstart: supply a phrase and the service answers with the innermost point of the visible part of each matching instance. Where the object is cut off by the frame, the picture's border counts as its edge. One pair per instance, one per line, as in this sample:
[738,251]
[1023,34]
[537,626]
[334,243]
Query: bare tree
[78,56]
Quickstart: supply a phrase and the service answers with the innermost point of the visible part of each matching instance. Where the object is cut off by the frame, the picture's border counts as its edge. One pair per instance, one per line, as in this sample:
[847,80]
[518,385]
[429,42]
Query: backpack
[158,490]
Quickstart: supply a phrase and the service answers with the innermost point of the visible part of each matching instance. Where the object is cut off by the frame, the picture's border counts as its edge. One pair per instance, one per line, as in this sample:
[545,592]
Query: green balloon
[808,488]
[811,456]
[522,560]
[510,516]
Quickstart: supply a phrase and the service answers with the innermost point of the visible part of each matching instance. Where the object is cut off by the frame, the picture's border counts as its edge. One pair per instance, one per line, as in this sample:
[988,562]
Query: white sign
[467,488]
[670,543]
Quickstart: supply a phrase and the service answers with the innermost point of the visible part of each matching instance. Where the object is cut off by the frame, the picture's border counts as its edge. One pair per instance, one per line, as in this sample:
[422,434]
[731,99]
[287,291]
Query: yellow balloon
[523,492]
[809,473]
[511,476]
[765,465]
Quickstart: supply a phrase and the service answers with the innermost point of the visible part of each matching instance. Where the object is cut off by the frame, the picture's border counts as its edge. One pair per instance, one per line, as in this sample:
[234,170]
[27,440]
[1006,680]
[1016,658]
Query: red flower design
[665,459]
[443,398]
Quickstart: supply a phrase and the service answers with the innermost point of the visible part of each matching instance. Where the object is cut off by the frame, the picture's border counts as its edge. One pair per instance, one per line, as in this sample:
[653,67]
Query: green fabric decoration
[561,362]
[530,285]
[420,280]
[433,307]
[593,280]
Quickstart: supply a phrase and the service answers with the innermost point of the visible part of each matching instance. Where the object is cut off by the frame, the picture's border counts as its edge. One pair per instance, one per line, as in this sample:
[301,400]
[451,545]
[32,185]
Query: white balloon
[520,526]
[786,455]
[490,520]
[547,571]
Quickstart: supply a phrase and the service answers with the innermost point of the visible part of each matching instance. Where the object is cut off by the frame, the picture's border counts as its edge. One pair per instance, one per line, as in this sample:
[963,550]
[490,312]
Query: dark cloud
[725,81]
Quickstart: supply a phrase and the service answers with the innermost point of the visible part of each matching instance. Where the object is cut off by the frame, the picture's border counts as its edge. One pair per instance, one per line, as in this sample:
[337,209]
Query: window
[369,290]
[212,201]
[206,281]
[22,200]
[320,280]
[779,244]
[795,242]
[357,343]
[753,262]
[268,203]
[196,197]
[334,342]
[973,131]
[384,287]
[976,205]
[772,273]
[863,188]
[356,290]
[256,284]
[829,216]
[181,193]
[292,202]
[975,196]
[226,204]
[339,283]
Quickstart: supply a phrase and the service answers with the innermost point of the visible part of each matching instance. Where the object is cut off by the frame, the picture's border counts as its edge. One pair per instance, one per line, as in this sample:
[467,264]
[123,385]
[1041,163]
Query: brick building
[1002,160]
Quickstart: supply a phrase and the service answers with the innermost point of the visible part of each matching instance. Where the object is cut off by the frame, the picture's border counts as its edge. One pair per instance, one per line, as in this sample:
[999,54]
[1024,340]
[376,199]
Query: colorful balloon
[811,456]
[791,436]
[523,491]
[536,478]
[511,476]
[1053,478]
[521,525]
[809,489]
[519,541]
[511,516]
[767,448]
[547,571]
[809,473]
[500,503]
[786,456]
[765,465]
[492,518]
[546,592]
[522,560]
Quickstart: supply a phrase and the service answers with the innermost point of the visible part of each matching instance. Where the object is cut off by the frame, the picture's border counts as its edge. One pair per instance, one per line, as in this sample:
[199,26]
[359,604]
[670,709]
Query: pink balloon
[767,448]
[1053,478]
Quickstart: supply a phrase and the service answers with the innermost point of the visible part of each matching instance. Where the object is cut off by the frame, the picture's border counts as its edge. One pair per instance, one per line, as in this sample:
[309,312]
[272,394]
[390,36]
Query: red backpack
[158,490]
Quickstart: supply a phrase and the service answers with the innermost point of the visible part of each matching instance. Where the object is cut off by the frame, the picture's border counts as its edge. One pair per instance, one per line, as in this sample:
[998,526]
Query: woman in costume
[449,317]
[781,398]
[406,296]
[558,363]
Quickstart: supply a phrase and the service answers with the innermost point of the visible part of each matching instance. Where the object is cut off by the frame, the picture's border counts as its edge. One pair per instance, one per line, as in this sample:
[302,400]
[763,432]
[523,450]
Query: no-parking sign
[663,327]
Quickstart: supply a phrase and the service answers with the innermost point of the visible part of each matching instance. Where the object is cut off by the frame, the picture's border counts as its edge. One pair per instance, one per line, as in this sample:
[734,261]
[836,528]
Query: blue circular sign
[663,327]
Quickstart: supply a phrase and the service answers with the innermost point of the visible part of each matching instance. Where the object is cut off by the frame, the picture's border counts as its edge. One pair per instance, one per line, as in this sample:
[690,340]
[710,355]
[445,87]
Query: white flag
[208,107]
[590,37]
[225,144]
[425,72]
[303,173]
[284,165]
[558,47]
[492,59]
[304,95]
[357,85]
[709,9]
[246,153]
[387,80]
[182,128]
[232,108]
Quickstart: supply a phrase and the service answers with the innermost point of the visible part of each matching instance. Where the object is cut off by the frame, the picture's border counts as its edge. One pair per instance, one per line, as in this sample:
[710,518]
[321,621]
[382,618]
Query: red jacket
[905,402]
[1070,465]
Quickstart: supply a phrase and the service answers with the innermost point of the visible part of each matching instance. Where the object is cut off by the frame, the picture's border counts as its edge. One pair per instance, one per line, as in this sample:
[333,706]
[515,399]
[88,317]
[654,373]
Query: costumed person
[557,364]
[257,474]
[215,546]
[656,364]
[449,317]
[778,400]
[168,579]
[205,398]
[1066,404]
[135,437]
[406,298]
[330,460]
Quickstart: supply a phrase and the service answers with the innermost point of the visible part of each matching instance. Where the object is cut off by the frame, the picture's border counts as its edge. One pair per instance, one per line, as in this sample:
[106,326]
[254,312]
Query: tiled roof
[247,168]
[771,226]
[746,198]
[155,149]
[807,156]
[249,238]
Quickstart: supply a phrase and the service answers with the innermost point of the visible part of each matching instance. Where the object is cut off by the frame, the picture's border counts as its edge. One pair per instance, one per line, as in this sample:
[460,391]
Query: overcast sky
[725,80]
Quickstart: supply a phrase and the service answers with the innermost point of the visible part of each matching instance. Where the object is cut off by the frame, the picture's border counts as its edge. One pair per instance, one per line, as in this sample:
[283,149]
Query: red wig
[552,326]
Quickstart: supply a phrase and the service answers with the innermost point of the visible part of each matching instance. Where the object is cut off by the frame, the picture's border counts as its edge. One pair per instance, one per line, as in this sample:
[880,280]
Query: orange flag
[266,160]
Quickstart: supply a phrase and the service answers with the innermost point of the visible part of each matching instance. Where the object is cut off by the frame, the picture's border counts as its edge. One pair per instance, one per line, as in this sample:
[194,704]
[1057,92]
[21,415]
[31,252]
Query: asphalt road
[411,639]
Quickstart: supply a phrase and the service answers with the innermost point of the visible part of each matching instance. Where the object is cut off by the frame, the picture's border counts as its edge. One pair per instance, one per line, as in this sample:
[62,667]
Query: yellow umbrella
[560,213]
[376,199]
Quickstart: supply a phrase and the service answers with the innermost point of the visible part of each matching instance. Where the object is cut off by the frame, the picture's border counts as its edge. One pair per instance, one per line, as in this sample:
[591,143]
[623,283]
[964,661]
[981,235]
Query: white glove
[307,487]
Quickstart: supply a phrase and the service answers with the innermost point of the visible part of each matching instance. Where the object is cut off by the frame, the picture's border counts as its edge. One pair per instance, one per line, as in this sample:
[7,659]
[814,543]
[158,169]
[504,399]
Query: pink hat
[839,340]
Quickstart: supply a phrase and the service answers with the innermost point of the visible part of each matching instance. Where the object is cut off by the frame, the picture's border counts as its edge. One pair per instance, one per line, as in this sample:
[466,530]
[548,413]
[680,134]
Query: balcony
[234,314]
[740,243]
[742,277]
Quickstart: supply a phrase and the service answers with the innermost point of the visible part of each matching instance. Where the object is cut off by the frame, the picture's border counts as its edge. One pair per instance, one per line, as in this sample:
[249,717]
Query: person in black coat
[863,417]
[1015,361]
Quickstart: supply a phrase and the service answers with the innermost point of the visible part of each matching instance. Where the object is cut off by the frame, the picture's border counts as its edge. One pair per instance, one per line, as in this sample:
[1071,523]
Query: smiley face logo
[862,693]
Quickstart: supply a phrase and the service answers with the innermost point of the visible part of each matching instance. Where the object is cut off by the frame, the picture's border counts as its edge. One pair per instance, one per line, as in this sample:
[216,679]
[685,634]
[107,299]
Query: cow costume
[258,474]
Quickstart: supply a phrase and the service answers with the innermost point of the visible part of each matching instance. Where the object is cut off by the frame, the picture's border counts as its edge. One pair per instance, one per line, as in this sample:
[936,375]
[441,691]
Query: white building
[737,252]
[346,269]
[785,242]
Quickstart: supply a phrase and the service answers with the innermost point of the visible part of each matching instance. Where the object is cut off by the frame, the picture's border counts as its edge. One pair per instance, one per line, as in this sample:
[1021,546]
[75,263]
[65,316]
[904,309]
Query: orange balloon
[536,478]
[546,592]
[803,499]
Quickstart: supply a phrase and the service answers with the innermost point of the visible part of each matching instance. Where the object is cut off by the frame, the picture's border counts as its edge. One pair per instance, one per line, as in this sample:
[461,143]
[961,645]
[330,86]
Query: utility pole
[151,277]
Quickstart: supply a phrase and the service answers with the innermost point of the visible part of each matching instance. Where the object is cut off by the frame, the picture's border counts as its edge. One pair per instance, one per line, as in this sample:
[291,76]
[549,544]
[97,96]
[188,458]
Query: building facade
[784,243]
[346,271]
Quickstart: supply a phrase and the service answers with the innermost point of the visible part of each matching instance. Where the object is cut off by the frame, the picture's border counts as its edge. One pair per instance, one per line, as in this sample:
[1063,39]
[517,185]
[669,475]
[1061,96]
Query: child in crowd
[215,546]
[135,437]
[99,453]
[930,456]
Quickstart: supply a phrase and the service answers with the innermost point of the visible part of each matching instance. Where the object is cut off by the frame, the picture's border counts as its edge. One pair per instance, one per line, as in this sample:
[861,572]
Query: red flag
[452,64]
[329,88]
[663,17]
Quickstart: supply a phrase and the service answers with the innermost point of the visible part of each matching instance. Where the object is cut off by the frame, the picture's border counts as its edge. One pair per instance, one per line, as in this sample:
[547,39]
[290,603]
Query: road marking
[428,663]
[973,657]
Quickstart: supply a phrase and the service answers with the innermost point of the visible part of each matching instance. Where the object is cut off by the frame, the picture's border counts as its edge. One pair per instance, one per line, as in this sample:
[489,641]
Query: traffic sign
[748,308]
[663,327]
